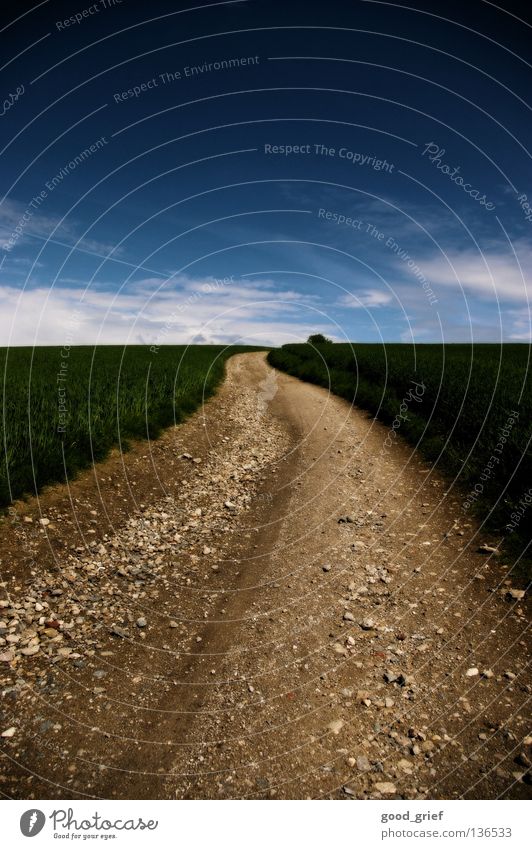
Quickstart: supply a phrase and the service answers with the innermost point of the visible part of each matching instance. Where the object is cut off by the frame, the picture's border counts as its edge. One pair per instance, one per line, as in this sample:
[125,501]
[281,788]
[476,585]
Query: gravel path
[268,601]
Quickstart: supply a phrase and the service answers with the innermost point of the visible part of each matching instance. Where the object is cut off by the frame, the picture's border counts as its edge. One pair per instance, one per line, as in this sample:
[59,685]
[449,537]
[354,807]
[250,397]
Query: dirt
[266,602]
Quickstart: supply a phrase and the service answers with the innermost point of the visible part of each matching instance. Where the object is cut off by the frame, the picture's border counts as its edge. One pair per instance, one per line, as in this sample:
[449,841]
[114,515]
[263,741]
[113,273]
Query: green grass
[111,394]
[466,395]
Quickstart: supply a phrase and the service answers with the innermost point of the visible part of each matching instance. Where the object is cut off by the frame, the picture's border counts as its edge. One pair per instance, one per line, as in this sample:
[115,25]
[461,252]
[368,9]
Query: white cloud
[492,275]
[366,298]
[179,312]
[35,224]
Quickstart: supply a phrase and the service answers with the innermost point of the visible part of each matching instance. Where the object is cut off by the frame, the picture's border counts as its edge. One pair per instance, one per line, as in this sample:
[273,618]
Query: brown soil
[271,680]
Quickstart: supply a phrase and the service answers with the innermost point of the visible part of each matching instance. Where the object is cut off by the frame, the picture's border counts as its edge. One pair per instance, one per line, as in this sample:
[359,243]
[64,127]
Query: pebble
[141,622]
[516,595]
[348,616]
[336,726]
[523,760]
[363,764]
[386,788]
[472,672]
[367,624]
[9,732]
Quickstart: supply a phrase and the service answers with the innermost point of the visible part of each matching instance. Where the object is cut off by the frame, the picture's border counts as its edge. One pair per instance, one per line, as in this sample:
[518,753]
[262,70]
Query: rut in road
[274,603]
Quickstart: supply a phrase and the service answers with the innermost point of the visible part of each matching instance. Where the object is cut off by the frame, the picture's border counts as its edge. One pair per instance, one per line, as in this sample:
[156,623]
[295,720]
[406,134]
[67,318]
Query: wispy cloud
[36,225]
[368,298]
[181,311]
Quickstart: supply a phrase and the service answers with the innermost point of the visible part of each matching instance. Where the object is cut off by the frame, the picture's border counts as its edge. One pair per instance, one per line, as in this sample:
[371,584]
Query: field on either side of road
[64,408]
[466,407]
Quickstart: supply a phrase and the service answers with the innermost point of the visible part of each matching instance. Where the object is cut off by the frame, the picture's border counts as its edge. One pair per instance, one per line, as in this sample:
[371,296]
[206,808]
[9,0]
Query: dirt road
[269,601]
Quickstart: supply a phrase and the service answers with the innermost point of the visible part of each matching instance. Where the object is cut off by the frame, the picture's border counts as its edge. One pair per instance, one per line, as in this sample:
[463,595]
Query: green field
[65,408]
[454,402]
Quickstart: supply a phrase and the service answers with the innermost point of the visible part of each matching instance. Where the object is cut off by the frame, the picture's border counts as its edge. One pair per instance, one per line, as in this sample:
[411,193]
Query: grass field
[65,408]
[467,408]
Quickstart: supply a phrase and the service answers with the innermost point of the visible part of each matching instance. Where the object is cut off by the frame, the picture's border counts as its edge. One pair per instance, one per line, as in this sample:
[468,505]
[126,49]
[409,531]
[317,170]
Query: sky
[253,172]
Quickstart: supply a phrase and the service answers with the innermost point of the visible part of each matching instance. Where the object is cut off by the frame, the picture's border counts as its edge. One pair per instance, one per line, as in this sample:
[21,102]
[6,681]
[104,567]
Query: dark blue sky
[360,168]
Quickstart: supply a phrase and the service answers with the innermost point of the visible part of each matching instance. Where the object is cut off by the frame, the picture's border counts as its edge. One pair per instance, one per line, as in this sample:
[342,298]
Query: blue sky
[354,168]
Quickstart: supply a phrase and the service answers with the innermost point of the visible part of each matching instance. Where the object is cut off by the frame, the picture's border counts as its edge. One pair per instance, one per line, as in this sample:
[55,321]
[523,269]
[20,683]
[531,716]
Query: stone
[348,616]
[326,567]
[117,631]
[363,696]
[386,788]
[335,726]
[472,672]
[516,595]
[523,760]
[7,656]
[363,764]
[367,624]
[141,622]
[9,732]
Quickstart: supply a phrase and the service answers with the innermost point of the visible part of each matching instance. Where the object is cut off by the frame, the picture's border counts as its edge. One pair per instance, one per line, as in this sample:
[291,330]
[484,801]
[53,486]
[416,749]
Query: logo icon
[32,822]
